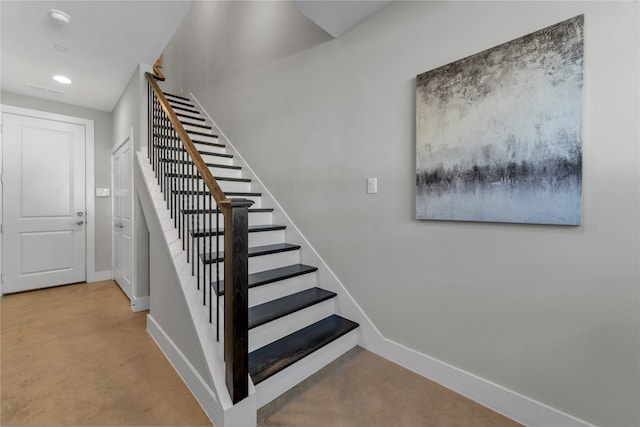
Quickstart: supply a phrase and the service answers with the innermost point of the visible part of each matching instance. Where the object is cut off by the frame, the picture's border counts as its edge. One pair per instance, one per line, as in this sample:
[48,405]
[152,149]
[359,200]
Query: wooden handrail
[236,261]
[157,73]
[199,163]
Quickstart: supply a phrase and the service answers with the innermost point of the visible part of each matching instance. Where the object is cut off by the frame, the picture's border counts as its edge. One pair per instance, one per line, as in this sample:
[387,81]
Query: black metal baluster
[174,162]
[193,219]
[217,273]
[160,151]
[207,247]
[152,137]
[199,230]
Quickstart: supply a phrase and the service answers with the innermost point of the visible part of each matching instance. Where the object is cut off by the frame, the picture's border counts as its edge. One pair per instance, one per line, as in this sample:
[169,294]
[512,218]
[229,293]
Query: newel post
[236,297]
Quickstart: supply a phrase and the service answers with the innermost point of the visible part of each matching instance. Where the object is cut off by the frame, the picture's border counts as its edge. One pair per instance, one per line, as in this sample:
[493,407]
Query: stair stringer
[369,336]
[212,396]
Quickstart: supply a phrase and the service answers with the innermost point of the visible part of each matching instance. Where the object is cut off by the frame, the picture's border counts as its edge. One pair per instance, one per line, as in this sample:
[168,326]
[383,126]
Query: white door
[43,203]
[122,168]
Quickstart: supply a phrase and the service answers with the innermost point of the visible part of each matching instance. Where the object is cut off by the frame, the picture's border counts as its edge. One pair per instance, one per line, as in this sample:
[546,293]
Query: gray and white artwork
[499,133]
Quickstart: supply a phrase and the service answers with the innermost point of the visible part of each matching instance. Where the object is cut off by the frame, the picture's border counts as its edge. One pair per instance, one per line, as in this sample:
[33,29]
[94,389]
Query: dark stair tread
[178,102]
[227,193]
[269,276]
[254,251]
[218,178]
[252,229]
[197,125]
[193,132]
[212,211]
[272,358]
[213,165]
[182,149]
[184,108]
[176,96]
[275,309]
[187,116]
[212,144]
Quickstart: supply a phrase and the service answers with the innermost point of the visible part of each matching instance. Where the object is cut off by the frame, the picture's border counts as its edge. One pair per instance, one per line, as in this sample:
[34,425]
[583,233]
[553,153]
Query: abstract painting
[499,133]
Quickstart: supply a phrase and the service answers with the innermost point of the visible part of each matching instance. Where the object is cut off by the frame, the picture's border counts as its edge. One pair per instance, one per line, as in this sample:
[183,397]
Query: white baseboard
[496,397]
[99,276]
[140,303]
[194,381]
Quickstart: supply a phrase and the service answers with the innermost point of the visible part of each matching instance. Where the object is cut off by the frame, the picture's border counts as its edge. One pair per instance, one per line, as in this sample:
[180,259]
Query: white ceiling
[107,39]
[105,42]
[338,17]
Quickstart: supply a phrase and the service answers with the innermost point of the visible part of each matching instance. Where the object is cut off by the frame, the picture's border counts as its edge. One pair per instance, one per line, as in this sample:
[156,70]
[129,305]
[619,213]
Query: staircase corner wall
[171,323]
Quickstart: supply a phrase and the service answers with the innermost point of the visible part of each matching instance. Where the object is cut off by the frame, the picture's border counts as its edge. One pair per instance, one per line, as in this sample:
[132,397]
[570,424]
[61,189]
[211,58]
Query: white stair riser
[260,238]
[188,120]
[190,128]
[203,138]
[231,173]
[178,102]
[232,186]
[208,158]
[255,218]
[265,262]
[265,293]
[202,202]
[235,186]
[274,386]
[279,328]
[282,288]
[210,148]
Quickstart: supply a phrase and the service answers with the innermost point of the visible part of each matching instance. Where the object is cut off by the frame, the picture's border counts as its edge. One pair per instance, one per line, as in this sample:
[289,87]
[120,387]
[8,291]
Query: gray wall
[549,312]
[102,163]
[128,114]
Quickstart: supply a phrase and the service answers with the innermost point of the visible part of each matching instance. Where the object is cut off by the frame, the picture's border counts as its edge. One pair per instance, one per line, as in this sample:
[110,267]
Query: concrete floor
[77,355]
[363,389]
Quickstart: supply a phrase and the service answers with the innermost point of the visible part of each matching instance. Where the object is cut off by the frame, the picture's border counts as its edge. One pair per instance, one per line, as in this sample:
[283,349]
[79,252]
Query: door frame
[128,140]
[90,237]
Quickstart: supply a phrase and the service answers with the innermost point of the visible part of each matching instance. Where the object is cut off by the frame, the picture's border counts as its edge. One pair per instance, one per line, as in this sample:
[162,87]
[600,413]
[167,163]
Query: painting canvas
[499,133]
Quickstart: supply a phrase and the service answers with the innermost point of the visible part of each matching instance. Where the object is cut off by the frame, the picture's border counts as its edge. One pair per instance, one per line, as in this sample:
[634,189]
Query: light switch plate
[102,192]
[372,185]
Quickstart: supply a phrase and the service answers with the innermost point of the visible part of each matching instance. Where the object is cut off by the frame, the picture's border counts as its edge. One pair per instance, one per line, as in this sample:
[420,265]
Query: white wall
[102,163]
[549,312]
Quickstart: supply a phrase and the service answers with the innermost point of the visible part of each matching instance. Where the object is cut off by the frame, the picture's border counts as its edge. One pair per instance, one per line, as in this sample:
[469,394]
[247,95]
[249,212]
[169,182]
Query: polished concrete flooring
[77,355]
[363,389]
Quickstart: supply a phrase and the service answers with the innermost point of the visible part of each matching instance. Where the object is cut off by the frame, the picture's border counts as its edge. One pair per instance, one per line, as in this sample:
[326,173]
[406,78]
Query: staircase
[293,325]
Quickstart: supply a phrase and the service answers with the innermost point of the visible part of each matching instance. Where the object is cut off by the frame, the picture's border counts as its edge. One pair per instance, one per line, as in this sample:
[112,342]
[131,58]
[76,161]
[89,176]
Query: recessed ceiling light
[60,17]
[60,48]
[62,79]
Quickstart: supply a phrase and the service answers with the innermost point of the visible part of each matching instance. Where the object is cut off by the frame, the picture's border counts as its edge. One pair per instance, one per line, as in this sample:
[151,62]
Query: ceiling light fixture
[62,79]
[60,17]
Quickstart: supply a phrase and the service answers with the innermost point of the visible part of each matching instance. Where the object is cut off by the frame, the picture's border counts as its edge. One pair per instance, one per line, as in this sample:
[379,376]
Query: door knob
[119,225]
[80,222]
